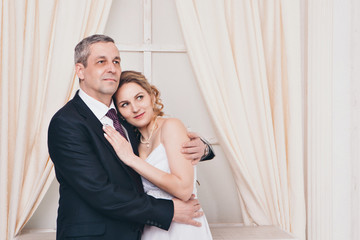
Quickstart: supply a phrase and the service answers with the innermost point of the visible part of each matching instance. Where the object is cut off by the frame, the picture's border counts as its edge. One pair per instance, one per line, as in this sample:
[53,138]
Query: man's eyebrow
[104,57]
[100,57]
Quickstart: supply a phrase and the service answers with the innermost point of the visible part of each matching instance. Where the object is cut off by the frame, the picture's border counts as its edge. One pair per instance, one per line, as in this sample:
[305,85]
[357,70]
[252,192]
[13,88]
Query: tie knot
[112,114]
[117,125]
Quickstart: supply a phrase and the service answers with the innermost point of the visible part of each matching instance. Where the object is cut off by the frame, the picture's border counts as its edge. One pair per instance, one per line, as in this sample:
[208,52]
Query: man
[100,197]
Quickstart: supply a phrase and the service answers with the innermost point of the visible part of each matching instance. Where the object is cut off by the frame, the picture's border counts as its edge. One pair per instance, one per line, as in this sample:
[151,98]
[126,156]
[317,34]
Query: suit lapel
[96,126]
[91,119]
[134,139]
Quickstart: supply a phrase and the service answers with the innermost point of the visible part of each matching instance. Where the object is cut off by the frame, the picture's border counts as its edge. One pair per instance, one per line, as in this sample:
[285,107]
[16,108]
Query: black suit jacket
[100,197]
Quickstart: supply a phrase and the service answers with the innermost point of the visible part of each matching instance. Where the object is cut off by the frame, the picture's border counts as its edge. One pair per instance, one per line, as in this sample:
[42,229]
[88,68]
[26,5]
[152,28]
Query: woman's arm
[179,182]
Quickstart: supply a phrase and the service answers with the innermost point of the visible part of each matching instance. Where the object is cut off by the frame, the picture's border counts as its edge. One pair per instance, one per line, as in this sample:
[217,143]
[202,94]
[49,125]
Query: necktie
[117,125]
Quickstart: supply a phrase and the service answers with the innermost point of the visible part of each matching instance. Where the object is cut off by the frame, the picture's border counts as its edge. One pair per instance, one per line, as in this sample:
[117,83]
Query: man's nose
[112,67]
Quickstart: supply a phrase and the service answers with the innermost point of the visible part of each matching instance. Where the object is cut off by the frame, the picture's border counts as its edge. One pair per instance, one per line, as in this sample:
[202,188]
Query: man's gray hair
[82,49]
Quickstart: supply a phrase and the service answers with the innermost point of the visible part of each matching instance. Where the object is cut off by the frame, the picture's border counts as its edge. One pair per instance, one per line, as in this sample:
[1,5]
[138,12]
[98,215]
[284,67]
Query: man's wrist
[206,151]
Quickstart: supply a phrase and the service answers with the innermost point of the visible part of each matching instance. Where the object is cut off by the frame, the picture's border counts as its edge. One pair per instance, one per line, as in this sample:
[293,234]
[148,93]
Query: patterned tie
[117,125]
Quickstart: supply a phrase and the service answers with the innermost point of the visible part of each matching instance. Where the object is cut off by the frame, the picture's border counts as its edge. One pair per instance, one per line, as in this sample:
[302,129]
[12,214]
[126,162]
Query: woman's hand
[121,146]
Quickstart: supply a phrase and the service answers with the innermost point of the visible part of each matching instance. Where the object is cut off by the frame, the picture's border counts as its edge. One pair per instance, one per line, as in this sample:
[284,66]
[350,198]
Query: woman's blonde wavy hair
[139,78]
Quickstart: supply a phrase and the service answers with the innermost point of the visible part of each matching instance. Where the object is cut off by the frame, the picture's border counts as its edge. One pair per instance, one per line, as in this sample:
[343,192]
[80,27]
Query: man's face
[100,79]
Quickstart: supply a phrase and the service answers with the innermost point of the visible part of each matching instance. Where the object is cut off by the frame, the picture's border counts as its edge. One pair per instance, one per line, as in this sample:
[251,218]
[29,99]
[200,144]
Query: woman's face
[135,104]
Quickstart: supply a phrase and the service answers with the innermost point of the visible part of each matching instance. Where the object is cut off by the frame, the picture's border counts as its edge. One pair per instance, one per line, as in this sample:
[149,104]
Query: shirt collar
[98,108]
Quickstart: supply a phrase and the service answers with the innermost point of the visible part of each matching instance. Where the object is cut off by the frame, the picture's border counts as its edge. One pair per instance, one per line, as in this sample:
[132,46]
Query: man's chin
[109,91]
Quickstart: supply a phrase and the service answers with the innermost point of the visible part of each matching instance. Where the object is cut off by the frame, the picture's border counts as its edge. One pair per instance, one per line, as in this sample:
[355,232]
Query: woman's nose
[135,108]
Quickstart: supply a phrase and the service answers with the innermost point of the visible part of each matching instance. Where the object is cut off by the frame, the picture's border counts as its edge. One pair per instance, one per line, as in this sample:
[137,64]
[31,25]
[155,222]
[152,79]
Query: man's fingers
[193,200]
[191,156]
[192,135]
[188,144]
[197,208]
[186,212]
[198,214]
[195,203]
[194,223]
[193,144]
[194,158]
[192,197]
[191,150]
[195,141]
[195,162]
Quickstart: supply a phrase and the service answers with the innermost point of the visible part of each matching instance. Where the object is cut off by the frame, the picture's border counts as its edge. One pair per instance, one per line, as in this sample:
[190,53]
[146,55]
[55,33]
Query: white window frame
[147,47]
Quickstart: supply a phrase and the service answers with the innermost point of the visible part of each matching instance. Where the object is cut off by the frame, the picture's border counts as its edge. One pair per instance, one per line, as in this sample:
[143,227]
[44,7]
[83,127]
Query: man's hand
[193,149]
[184,212]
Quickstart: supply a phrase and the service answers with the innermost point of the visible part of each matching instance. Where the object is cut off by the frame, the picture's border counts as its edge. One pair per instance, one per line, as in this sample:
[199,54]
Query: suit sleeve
[77,164]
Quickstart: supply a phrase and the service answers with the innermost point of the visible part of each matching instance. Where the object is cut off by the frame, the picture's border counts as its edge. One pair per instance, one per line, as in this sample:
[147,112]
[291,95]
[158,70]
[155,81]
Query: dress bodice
[177,231]
[158,159]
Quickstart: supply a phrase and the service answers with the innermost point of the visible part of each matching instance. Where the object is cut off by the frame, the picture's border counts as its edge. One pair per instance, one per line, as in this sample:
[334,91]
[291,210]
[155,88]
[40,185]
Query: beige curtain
[247,60]
[37,78]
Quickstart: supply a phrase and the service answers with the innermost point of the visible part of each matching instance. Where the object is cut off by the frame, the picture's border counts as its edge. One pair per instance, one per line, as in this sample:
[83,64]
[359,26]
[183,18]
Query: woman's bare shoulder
[172,126]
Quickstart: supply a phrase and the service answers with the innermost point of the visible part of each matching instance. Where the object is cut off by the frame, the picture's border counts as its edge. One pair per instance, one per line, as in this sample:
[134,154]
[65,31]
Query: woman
[165,171]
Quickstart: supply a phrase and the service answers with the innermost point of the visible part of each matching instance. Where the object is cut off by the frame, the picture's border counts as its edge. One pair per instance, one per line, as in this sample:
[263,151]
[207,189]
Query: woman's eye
[124,105]
[140,97]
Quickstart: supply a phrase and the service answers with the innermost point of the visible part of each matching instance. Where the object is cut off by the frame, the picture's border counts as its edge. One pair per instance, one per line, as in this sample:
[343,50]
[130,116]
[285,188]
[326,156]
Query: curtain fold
[37,78]
[246,58]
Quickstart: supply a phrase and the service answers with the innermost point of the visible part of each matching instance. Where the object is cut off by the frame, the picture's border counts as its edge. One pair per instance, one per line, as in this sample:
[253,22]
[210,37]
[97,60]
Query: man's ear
[79,69]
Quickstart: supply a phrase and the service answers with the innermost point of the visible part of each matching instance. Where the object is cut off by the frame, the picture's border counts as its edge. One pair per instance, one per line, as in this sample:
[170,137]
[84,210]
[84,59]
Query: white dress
[176,231]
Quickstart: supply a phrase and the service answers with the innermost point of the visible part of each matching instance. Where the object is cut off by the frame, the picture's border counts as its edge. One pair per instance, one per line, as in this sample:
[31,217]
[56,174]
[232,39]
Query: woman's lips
[139,116]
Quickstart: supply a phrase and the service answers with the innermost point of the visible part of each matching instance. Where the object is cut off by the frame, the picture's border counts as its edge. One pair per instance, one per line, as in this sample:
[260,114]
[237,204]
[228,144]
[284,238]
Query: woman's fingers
[111,132]
[112,135]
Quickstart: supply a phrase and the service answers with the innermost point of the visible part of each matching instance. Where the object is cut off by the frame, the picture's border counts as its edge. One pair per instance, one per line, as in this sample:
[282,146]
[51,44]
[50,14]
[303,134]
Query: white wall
[342,128]
[354,102]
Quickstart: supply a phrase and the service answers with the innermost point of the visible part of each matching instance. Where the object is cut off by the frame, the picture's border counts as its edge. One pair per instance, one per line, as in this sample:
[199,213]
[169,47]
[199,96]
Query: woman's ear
[122,118]
[153,99]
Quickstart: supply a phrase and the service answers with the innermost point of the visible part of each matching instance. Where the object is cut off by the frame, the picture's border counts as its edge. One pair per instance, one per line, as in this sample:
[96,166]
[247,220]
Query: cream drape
[246,58]
[37,78]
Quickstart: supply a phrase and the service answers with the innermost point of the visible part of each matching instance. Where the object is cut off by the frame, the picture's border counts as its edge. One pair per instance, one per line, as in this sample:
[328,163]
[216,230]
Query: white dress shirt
[99,109]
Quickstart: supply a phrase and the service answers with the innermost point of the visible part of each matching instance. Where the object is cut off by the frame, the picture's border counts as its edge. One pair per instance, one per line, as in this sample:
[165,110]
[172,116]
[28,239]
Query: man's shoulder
[67,109]
[67,117]
[74,111]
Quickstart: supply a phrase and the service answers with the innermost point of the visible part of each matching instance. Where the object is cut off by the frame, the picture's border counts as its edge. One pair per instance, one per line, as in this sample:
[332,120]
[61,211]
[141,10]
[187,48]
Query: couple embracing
[125,171]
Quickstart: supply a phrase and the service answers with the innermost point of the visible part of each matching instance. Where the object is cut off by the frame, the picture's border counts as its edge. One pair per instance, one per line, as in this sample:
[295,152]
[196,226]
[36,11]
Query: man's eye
[101,61]
[116,62]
